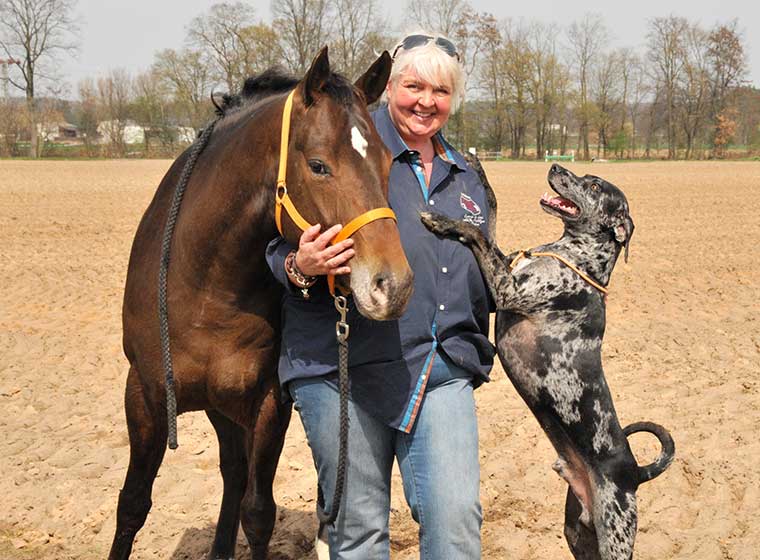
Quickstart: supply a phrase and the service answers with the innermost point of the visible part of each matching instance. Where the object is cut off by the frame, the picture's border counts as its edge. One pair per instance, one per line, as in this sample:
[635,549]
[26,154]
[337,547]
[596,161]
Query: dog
[550,322]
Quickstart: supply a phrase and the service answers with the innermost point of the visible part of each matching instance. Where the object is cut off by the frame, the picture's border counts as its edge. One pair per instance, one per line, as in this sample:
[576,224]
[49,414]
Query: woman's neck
[422,145]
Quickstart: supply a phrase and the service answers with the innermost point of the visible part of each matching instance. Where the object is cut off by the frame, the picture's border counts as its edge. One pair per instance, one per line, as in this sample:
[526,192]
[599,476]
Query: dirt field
[682,349]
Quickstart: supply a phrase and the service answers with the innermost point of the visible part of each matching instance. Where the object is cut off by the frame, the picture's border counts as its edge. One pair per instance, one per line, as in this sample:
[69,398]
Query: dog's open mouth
[562,205]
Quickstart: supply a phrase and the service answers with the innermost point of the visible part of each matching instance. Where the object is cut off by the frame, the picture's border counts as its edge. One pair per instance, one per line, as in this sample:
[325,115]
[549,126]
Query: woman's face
[417,108]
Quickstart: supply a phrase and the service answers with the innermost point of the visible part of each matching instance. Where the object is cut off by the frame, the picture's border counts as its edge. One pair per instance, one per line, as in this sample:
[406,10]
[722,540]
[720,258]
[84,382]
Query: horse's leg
[146,423]
[234,467]
[265,441]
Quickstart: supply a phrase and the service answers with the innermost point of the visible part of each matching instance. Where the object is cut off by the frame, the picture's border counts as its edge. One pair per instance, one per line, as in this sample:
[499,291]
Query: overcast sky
[128,34]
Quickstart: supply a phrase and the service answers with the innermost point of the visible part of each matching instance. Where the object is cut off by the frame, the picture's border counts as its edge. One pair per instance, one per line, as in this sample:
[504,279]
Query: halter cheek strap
[283,200]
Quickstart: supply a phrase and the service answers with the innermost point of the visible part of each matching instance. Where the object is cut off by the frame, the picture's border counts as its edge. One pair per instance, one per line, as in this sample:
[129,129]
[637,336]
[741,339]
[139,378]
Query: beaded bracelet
[303,281]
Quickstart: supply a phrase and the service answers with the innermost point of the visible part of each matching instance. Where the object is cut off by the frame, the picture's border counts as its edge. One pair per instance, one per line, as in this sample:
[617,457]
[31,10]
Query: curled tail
[667,453]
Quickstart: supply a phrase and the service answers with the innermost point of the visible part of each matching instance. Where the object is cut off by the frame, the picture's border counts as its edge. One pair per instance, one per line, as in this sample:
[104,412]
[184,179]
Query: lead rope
[163,269]
[341,335]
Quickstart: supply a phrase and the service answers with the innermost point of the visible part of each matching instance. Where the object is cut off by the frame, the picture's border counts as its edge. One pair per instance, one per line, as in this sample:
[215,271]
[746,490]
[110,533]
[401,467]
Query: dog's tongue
[560,203]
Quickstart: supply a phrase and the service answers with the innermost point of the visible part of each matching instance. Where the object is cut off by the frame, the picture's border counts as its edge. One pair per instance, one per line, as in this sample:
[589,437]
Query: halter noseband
[282,199]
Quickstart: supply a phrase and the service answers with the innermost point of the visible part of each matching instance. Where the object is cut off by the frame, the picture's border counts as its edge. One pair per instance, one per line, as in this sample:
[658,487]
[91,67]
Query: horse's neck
[224,231]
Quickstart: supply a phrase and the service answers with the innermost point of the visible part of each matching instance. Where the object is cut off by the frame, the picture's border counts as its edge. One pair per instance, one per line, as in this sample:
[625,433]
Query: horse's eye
[318,167]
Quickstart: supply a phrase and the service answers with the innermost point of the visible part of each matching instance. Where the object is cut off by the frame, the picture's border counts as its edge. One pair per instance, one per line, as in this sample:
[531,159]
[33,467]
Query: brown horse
[224,302]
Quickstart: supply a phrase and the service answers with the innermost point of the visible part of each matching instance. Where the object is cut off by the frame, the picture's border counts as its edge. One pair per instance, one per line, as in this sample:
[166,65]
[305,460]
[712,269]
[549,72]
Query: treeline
[532,87]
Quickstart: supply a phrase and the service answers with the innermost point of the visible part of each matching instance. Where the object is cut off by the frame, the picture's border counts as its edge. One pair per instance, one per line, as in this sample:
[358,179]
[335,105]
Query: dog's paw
[446,227]
[439,224]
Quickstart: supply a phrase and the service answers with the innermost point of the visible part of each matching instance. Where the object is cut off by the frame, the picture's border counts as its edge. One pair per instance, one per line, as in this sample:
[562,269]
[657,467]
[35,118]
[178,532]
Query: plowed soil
[682,349]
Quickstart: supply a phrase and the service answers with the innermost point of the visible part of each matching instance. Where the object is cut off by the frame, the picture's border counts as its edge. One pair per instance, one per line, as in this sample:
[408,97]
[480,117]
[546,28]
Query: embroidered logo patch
[473,215]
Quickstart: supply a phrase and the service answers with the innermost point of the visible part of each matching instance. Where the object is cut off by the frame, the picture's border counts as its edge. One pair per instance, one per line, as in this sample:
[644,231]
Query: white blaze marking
[358,142]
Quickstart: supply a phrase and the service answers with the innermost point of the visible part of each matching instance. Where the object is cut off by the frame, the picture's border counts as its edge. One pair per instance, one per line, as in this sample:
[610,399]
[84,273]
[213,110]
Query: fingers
[309,235]
[315,255]
[324,239]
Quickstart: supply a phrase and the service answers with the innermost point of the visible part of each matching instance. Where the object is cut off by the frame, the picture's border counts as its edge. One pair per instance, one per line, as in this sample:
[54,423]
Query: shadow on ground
[293,539]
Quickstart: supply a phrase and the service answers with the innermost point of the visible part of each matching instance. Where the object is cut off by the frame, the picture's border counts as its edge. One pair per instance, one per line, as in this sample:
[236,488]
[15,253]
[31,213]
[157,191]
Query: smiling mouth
[559,204]
[422,115]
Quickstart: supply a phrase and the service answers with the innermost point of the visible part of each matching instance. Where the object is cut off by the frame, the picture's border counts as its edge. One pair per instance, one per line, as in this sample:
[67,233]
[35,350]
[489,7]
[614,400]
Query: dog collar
[526,254]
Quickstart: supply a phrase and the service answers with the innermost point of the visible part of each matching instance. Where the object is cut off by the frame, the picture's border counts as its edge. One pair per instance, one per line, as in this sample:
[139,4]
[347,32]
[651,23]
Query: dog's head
[589,204]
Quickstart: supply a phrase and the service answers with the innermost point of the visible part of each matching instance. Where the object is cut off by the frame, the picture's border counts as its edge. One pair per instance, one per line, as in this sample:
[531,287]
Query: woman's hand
[315,255]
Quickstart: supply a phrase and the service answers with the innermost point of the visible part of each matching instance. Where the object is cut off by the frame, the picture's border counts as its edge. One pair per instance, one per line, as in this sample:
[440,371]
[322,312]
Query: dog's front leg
[490,259]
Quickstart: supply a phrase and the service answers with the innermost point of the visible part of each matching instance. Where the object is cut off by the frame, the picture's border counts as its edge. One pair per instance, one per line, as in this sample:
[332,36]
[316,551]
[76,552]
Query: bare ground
[682,349]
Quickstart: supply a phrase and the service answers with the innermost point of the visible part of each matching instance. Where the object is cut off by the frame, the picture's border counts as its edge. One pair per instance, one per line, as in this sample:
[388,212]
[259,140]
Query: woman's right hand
[315,255]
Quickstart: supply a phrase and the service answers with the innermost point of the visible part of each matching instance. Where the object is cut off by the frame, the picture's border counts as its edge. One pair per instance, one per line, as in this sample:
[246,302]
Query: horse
[224,301]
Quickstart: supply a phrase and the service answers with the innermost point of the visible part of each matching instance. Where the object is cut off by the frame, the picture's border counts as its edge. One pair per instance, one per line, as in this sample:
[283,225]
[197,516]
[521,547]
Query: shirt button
[444,270]
[432,203]
[441,307]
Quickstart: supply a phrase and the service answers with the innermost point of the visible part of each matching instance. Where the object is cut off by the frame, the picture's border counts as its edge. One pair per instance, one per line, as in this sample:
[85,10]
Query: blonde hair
[432,65]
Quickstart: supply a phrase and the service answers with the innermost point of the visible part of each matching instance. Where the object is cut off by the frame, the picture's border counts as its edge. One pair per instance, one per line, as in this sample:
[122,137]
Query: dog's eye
[318,167]
[595,186]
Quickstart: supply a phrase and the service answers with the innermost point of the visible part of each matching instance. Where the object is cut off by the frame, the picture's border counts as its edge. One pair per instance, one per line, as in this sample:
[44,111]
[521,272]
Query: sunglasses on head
[412,41]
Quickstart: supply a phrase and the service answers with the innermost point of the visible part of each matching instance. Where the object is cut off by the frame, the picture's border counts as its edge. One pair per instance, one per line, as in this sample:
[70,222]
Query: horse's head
[337,170]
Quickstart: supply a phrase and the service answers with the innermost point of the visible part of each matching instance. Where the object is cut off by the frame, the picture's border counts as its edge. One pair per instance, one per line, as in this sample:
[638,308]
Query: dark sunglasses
[412,41]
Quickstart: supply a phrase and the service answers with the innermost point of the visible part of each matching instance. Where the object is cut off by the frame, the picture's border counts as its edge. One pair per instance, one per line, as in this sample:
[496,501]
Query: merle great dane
[549,326]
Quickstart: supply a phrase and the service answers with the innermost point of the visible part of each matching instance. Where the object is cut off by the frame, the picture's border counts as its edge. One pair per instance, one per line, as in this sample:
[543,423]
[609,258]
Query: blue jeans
[438,461]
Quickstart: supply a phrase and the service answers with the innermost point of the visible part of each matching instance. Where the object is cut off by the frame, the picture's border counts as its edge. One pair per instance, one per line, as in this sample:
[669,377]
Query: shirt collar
[397,146]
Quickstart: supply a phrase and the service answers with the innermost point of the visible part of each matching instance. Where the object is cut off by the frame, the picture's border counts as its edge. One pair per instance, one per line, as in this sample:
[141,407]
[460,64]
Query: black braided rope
[340,478]
[163,312]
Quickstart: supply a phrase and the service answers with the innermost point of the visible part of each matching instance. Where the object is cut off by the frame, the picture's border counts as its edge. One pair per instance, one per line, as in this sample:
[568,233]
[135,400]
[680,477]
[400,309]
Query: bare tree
[87,114]
[436,16]
[693,91]
[221,32]
[357,23]
[517,72]
[606,80]
[187,75]
[303,27]
[492,83]
[667,54]
[544,81]
[587,38]
[114,97]
[727,58]
[35,32]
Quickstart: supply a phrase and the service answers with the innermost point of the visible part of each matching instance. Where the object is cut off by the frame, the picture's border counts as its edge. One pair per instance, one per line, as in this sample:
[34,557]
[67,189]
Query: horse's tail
[667,453]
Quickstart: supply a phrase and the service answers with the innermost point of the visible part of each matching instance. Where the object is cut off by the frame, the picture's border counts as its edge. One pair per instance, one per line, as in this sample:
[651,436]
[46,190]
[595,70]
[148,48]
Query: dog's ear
[623,230]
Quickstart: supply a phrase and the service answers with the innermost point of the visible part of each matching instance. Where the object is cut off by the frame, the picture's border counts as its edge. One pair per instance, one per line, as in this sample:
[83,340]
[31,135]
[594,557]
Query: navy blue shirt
[390,361]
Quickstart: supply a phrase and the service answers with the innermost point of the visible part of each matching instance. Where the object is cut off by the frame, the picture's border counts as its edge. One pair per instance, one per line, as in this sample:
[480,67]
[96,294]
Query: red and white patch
[469,204]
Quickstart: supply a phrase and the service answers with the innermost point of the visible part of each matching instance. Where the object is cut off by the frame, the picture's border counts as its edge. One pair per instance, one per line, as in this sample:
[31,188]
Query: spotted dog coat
[549,328]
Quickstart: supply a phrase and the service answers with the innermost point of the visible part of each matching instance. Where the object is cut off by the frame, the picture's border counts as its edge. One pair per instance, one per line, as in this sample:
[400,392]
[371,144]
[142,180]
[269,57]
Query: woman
[412,380]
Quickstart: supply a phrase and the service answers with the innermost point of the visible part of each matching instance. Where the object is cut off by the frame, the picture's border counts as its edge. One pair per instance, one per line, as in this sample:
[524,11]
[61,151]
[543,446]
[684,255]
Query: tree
[87,115]
[667,54]
[35,32]
[222,33]
[114,98]
[356,27]
[437,16]
[303,27]
[693,91]
[187,76]
[727,58]
[586,40]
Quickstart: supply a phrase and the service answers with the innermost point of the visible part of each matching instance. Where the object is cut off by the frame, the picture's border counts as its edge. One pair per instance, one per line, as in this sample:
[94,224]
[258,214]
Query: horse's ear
[316,77]
[372,83]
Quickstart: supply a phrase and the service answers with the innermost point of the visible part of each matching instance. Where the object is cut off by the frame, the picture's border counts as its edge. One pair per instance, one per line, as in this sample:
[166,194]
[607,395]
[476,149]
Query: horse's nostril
[380,283]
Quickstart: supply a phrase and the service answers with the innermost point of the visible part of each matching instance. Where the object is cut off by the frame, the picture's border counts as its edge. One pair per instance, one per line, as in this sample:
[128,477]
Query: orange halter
[282,199]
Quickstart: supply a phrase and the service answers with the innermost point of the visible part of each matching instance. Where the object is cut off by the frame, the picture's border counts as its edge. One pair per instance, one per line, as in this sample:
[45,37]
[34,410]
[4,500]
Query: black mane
[276,80]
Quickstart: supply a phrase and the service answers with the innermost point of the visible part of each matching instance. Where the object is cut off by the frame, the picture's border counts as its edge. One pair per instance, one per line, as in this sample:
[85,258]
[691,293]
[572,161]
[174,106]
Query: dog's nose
[557,168]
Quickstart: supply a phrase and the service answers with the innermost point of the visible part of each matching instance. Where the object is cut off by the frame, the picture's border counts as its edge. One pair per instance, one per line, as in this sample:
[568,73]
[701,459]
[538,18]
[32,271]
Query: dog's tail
[667,452]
